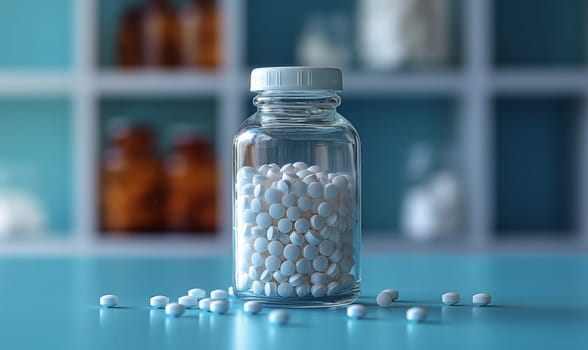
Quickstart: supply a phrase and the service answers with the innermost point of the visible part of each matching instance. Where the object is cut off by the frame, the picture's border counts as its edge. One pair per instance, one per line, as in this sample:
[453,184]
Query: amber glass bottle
[131,195]
[191,182]
[161,35]
[201,34]
[129,51]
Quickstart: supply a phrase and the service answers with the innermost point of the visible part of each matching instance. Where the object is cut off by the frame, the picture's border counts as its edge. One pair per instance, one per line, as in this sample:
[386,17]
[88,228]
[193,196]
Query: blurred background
[116,118]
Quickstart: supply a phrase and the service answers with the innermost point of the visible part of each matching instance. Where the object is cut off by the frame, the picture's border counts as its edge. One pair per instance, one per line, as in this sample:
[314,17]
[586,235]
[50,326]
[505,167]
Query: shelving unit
[473,86]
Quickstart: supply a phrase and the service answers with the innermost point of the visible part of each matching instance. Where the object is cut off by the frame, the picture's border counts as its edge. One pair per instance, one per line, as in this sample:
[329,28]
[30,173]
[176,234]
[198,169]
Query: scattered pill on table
[393,293]
[384,299]
[450,298]
[279,317]
[416,314]
[188,301]
[252,307]
[174,309]
[356,311]
[199,293]
[108,300]
[481,299]
[218,294]
[204,304]
[159,301]
[219,306]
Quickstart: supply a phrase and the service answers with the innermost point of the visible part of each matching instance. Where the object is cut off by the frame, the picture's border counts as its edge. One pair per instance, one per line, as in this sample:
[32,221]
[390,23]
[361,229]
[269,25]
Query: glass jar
[296,195]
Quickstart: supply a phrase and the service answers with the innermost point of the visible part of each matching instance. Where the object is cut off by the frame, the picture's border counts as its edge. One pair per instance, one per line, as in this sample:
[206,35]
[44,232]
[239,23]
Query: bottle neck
[303,105]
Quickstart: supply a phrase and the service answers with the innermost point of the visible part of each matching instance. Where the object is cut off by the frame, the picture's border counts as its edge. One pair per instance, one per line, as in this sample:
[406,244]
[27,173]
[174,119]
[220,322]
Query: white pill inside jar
[356,311]
[310,252]
[279,317]
[299,188]
[271,290]
[257,259]
[315,189]
[450,298]
[255,205]
[318,290]
[320,263]
[219,306]
[258,231]
[285,290]
[304,203]
[291,252]
[331,191]
[296,280]
[317,222]
[272,233]
[265,276]
[303,266]
[416,314]
[284,225]
[296,238]
[277,275]
[252,307]
[288,200]
[481,299]
[275,248]
[188,301]
[303,290]
[312,237]
[276,211]
[257,287]
[293,213]
[219,294]
[174,309]
[159,301]
[318,278]
[108,300]
[287,268]
[273,195]
[302,225]
[326,247]
[272,263]
[325,209]
[260,244]
[263,219]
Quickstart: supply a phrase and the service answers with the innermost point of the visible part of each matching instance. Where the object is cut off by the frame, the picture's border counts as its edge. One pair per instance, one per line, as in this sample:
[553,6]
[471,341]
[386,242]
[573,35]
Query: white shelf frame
[474,85]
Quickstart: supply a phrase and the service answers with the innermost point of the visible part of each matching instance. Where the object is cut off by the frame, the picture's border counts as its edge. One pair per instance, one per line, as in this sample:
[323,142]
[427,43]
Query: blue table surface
[539,302]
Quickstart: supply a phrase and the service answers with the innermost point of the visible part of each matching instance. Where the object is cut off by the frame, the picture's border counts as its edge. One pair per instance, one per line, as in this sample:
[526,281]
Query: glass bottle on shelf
[128,39]
[191,182]
[131,198]
[200,23]
[161,35]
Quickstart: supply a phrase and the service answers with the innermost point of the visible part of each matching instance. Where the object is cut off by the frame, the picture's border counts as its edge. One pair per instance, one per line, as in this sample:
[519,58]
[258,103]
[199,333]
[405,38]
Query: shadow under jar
[296,195]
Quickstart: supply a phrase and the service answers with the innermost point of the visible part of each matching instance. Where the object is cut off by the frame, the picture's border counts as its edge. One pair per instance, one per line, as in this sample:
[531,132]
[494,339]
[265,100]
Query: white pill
[188,301]
[279,277]
[312,237]
[272,233]
[318,278]
[245,172]
[279,317]
[270,289]
[275,248]
[320,263]
[288,168]
[288,200]
[247,189]
[218,294]
[204,304]
[331,191]
[315,189]
[393,293]
[219,306]
[272,263]
[258,231]
[159,301]
[259,191]
[174,309]
[326,247]
[299,188]
[284,238]
[287,268]
[273,195]
[332,220]
[274,174]
[310,252]
[255,205]
[333,288]
[416,314]
[263,219]
[384,299]
[285,290]
[302,225]
[310,179]
[450,298]
[291,252]
[303,266]
[108,300]
[341,182]
[276,211]
[325,209]
[481,299]
[296,280]
[347,281]
[248,216]
[304,203]
[356,311]
[260,244]
[257,287]
[317,222]
[259,179]
[300,165]
[296,238]
[293,213]
[257,259]
[253,273]
[252,307]
[336,256]
[265,276]
[318,290]
[333,270]
[284,225]
[303,290]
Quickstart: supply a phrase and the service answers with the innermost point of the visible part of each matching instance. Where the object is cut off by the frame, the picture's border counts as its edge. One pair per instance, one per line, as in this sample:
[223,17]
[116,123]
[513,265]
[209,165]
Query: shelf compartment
[168,119]
[391,131]
[535,156]
[539,33]
[37,162]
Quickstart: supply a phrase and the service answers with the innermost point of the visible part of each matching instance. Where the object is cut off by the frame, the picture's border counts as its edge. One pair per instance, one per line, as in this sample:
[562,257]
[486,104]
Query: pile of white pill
[295,230]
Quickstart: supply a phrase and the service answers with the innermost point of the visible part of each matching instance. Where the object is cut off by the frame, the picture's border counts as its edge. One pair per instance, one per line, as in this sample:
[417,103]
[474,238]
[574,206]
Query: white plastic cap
[296,78]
